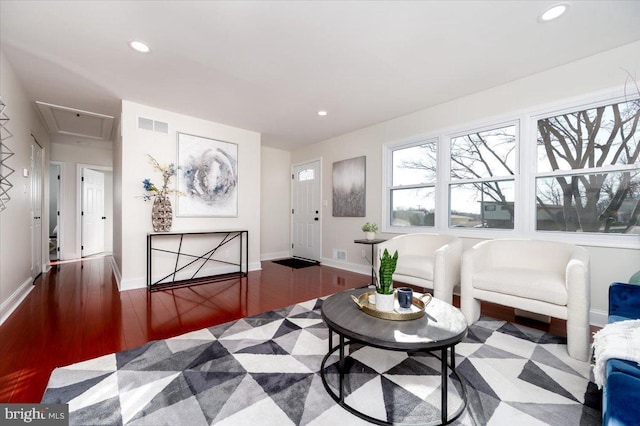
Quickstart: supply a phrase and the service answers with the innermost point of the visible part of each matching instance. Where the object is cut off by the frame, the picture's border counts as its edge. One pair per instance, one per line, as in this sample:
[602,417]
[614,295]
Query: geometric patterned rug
[264,370]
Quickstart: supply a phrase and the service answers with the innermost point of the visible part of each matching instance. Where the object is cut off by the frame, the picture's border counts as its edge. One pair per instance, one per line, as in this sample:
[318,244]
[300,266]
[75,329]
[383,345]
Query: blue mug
[405,297]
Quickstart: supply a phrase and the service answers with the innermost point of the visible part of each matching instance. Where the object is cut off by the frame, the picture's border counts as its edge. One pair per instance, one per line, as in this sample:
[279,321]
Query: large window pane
[413,207]
[484,154]
[414,165]
[590,138]
[602,203]
[482,205]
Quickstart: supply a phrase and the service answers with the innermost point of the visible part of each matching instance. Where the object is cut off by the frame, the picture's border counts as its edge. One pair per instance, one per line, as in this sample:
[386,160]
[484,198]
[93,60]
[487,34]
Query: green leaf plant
[385,276]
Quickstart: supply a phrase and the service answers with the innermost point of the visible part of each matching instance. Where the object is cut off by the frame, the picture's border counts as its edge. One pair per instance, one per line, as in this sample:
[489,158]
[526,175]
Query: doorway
[305,212]
[55,207]
[95,206]
[36,209]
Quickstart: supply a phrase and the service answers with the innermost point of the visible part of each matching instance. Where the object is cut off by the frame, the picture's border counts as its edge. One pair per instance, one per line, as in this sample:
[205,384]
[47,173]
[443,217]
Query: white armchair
[543,277]
[426,260]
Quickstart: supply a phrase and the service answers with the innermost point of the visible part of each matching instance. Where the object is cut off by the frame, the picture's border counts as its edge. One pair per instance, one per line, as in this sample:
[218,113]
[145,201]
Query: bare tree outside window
[599,150]
[412,194]
[482,190]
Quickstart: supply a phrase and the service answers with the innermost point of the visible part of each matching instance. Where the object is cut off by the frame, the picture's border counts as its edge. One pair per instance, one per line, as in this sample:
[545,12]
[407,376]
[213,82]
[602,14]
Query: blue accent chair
[621,392]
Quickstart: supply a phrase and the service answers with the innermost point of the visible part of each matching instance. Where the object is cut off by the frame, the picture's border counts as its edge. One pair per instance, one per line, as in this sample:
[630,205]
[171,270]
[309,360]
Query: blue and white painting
[207,177]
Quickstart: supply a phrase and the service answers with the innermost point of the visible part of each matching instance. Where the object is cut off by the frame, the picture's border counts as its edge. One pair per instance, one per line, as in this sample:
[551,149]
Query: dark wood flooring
[75,312]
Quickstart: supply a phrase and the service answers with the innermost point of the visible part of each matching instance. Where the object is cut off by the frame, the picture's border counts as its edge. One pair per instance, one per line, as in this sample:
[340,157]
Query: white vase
[384,302]
[370,235]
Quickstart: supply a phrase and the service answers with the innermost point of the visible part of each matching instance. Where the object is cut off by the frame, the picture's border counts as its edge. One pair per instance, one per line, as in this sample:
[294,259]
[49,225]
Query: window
[588,174]
[482,179]
[306,174]
[412,184]
[569,173]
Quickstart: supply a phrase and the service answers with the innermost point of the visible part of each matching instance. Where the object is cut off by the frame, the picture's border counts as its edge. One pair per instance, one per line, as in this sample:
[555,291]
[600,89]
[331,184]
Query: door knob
[315,218]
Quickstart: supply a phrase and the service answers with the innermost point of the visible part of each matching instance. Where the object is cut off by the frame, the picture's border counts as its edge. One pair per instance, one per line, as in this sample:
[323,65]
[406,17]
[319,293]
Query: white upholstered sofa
[426,260]
[543,277]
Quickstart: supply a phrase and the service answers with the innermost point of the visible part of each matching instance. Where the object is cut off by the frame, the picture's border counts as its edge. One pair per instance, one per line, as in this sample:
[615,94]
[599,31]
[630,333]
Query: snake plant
[387,268]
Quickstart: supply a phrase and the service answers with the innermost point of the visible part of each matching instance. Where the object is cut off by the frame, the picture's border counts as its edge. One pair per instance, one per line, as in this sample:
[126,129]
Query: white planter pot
[370,235]
[384,302]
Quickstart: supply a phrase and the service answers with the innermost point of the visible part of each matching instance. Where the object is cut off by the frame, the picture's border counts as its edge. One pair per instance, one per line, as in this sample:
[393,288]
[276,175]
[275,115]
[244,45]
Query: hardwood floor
[75,312]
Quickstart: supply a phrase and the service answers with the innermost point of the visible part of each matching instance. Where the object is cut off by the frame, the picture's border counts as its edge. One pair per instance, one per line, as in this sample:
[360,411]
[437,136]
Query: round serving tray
[417,309]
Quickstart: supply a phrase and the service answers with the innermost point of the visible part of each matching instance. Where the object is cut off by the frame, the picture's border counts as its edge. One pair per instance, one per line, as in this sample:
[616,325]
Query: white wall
[15,220]
[71,156]
[117,202]
[135,213]
[275,207]
[596,73]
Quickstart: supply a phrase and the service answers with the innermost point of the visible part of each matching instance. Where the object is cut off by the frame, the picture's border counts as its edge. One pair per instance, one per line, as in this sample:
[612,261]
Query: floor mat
[295,263]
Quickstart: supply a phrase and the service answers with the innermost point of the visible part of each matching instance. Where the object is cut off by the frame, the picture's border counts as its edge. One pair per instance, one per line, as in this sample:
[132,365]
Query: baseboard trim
[116,272]
[12,303]
[275,255]
[137,283]
[598,318]
[352,267]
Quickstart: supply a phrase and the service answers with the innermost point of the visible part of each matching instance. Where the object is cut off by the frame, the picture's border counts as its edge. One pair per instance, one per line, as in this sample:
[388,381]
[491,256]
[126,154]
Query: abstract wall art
[349,191]
[207,177]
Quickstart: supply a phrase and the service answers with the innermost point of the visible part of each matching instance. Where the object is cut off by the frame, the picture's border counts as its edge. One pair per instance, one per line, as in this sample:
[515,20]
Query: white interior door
[55,171]
[306,211]
[36,209]
[93,217]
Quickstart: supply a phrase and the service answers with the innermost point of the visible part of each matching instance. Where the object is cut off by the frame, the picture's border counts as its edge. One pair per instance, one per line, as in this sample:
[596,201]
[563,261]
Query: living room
[601,77]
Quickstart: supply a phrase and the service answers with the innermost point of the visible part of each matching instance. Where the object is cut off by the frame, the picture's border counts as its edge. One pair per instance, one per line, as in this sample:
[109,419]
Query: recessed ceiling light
[139,46]
[322,113]
[553,12]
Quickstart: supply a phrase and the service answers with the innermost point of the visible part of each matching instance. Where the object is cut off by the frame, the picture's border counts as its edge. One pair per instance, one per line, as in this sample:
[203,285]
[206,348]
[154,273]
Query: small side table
[372,243]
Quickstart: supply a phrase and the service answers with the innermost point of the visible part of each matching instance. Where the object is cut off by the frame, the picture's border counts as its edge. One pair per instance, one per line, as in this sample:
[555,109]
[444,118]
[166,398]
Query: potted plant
[370,230]
[384,281]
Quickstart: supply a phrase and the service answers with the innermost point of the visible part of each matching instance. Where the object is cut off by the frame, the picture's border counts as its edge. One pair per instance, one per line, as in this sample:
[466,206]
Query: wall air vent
[145,123]
[153,125]
[340,255]
[161,127]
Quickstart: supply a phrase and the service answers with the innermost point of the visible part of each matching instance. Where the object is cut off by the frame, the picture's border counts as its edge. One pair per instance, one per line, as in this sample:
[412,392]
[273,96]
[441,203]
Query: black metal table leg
[341,368]
[453,357]
[443,359]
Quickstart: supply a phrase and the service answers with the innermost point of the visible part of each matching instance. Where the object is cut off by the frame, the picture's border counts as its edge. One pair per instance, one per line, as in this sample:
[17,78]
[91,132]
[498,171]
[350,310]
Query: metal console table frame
[169,280]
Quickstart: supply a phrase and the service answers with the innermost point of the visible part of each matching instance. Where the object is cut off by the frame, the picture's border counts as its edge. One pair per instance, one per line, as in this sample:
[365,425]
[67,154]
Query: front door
[93,217]
[306,210]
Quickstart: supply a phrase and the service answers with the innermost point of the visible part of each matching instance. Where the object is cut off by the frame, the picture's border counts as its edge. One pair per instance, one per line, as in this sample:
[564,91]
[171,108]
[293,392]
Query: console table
[189,268]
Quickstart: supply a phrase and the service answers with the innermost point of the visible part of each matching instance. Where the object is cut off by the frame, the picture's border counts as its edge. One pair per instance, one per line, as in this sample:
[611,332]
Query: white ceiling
[269,66]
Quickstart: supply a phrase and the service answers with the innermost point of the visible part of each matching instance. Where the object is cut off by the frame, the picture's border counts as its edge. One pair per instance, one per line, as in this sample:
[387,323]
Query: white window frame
[525,177]
[387,183]
[580,238]
[515,178]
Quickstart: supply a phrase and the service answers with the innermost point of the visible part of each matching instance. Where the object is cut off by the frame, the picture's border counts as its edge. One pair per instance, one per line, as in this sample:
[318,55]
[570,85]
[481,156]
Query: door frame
[60,236]
[79,168]
[320,203]
[41,266]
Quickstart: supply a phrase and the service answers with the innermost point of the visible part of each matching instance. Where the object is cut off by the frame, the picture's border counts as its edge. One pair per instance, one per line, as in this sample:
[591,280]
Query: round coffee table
[441,328]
